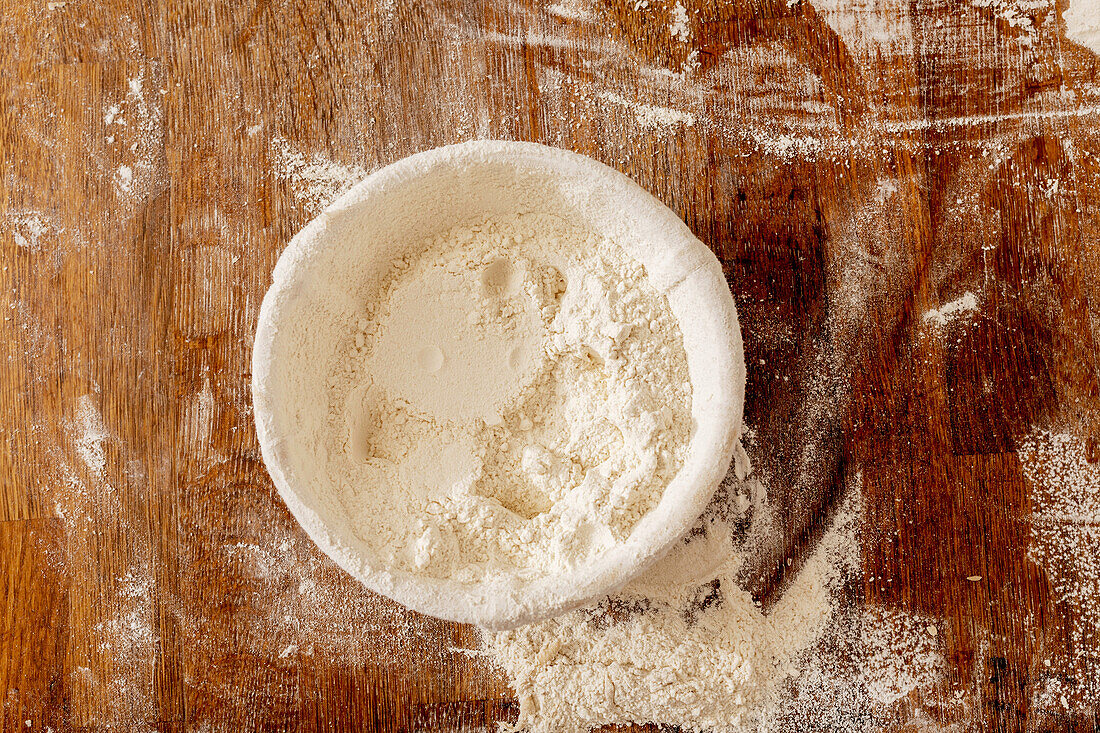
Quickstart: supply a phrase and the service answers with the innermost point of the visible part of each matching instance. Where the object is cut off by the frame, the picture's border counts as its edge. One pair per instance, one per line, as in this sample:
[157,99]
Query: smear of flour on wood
[199,416]
[679,25]
[305,604]
[1083,23]
[1065,542]
[945,123]
[91,433]
[873,664]
[1016,13]
[869,26]
[785,122]
[531,39]
[651,116]
[571,10]
[315,181]
[965,304]
[126,636]
[781,106]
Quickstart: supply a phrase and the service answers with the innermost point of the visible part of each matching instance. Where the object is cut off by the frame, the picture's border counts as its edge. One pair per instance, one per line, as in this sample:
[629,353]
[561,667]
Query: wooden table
[856,166]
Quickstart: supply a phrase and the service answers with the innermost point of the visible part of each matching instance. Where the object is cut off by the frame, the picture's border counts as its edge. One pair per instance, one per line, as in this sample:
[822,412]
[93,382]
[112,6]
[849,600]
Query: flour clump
[515,398]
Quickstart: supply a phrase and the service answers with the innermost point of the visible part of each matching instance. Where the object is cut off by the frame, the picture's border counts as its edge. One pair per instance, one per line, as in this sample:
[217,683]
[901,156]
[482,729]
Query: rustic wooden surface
[149,576]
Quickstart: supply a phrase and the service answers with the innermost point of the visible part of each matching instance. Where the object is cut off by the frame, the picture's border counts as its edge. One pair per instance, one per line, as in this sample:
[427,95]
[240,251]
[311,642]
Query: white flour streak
[650,116]
[314,180]
[533,40]
[789,147]
[1083,23]
[964,304]
[971,120]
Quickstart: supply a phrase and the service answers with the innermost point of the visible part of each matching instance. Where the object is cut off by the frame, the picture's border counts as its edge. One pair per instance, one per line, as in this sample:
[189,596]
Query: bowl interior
[308,315]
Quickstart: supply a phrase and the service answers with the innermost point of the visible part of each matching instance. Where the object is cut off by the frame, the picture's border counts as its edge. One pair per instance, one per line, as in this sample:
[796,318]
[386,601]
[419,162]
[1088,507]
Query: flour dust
[314,180]
[1064,481]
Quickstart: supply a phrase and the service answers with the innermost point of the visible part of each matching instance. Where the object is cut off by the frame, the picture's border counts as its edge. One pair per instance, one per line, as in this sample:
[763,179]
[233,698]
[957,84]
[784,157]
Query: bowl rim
[496,604]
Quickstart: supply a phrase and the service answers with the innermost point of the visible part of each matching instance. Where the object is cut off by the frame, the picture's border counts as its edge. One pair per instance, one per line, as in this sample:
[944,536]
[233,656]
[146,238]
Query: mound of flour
[516,398]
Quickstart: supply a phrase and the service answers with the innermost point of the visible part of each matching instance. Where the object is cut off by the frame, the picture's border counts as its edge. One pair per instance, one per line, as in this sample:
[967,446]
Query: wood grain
[151,579]
[33,623]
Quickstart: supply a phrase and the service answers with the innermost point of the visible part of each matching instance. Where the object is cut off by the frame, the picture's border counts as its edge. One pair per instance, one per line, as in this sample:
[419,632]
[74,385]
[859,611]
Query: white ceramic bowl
[392,211]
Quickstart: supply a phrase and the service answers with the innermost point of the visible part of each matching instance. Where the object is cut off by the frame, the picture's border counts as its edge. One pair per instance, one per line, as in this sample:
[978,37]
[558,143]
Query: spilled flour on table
[682,644]
[314,179]
[1065,542]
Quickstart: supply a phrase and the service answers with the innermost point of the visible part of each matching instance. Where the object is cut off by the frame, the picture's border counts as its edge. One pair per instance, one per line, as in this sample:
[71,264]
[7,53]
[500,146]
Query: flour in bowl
[515,399]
